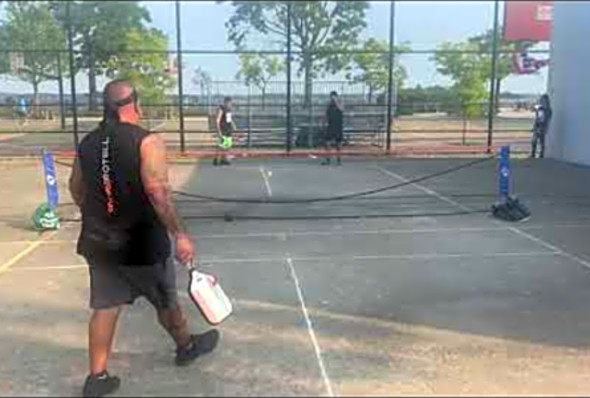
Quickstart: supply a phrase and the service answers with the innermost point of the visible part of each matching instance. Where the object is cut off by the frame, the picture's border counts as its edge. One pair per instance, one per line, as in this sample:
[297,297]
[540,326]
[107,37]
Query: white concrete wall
[569,83]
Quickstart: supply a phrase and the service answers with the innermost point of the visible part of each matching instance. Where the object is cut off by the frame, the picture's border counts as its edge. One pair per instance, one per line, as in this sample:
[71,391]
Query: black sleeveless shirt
[226,121]
[335,119]
[119,224]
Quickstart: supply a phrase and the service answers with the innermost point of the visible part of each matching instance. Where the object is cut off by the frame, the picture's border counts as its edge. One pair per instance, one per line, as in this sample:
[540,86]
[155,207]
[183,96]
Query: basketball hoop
[524,64]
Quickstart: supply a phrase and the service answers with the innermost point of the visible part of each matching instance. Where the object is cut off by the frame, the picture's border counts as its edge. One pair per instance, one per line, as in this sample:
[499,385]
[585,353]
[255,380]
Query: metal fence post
[390,77]
[492,102]
[289,121]
[72,74]
[249,116]
[180,81]
[464,117]
[60,85]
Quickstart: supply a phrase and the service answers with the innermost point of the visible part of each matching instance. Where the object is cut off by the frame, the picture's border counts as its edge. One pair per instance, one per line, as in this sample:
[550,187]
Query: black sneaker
[100,385]
[326,162]
[339,161]
[215,162]
[225,162]
[201,344]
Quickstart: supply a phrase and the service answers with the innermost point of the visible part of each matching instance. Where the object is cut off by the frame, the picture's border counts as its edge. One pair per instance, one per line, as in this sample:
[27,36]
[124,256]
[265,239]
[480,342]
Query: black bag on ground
[512,209]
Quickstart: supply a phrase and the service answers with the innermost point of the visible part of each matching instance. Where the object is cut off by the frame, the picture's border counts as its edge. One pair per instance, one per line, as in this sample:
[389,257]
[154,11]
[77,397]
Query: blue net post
[50,180]
[504,173]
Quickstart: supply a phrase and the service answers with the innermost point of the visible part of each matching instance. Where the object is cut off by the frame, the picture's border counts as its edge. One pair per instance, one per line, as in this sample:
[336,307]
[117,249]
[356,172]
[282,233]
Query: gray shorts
[115,285]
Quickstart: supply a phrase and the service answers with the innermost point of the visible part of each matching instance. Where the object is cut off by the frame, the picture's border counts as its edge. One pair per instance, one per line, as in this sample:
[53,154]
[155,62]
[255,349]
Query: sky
[422,24]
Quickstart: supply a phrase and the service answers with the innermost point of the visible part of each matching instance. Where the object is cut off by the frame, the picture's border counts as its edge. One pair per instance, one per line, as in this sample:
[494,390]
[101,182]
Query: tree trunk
[35,104]
[60,86]
[308,96]
[91,79]
[91,85]
[307,65]
[263,97]
[370,95]
[203,98]
[497,97]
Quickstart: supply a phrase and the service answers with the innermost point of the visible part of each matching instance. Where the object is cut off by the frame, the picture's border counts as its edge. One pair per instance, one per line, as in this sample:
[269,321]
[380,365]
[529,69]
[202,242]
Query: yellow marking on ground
[29,249]
[51,267]
[44,242]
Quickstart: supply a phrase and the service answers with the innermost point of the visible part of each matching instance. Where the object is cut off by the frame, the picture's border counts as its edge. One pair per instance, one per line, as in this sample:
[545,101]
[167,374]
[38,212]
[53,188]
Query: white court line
[283,234]
[549,246]
[419,256]
[554,249]
[312,336]
[246,260]
[266,181]
[424,189]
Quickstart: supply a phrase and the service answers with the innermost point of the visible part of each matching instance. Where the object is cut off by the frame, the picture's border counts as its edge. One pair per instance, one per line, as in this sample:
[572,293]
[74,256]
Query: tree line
[105,34]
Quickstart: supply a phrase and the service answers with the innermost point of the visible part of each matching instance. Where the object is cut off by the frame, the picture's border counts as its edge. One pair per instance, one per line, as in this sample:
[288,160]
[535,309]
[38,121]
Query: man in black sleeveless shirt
[120,183]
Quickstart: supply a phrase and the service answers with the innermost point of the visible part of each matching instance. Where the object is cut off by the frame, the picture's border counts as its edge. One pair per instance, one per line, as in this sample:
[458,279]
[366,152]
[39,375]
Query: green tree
[259,70]
[320,29]
[100,31]
[469,72]
[424,99]
[4,56]
[484,43]
[29,25]
[372,67]
[145,70]
[468,64]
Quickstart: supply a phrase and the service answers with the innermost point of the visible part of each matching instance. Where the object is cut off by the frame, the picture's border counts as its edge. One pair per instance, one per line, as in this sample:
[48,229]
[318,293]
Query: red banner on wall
[528,20]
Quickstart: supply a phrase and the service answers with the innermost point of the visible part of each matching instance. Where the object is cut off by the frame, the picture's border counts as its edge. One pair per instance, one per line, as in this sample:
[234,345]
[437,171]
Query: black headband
[113,105]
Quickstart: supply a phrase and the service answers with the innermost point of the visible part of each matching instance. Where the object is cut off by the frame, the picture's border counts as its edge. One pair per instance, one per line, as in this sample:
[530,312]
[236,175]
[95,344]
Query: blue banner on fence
[50,180]
[504,172]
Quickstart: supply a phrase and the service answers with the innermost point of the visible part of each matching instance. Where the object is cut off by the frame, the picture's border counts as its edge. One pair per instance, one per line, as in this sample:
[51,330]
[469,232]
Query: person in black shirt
[225,127]
[543,114]
[334,130]
[120,182]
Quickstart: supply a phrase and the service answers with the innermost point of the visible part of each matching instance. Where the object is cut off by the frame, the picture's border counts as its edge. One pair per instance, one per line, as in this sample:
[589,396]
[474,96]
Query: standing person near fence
[120,183]
[543,114]
[333,128]
[225,128]
[22,110]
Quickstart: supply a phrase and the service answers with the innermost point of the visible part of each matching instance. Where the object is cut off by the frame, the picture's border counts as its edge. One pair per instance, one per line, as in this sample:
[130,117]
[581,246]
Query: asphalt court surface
[414,303]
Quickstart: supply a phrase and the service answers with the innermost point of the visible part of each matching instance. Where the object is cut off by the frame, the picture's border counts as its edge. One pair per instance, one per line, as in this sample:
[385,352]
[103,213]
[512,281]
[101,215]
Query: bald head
[118,90]
[119,99]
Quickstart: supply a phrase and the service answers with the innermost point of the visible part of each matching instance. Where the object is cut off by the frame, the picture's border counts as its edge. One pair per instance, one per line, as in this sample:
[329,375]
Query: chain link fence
[285,111]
